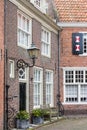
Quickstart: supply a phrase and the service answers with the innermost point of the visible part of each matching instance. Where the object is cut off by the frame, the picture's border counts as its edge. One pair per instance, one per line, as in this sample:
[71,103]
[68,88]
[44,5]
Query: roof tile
[72,10]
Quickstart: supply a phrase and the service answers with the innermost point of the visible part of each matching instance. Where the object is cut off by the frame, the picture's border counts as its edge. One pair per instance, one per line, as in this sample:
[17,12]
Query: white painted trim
[74,68]
[72,24]
[41,89]
[12,73]
[49,43]
[65,103]
[52,89]
[29,33]
[27,87]
[76,83]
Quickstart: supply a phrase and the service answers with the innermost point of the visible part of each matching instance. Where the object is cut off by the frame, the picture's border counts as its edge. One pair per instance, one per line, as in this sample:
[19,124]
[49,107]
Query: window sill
[83,55]
[25,47]
[74,103]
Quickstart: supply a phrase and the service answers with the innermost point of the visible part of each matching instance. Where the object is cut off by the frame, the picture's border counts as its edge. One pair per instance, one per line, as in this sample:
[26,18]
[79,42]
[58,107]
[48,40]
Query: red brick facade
[67,59]
[71,20]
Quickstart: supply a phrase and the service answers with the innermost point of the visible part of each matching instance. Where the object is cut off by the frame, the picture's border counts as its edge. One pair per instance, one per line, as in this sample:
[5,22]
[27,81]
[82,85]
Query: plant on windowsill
[37,116]
[22,119]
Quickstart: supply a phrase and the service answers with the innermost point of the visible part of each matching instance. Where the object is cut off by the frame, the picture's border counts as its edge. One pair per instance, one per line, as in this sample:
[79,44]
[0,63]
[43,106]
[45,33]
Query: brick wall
[69,60]
[15,53]
[1,63]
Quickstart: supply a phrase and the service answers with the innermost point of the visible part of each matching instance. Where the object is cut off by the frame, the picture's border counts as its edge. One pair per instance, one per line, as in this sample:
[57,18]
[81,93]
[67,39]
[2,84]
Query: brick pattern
[71,10]
[15,53]
[1,64]
[69,60]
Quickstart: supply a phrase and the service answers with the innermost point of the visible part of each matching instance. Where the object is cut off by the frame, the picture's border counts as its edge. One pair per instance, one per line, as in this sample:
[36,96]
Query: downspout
[5,127]
[59,104]
[58,95]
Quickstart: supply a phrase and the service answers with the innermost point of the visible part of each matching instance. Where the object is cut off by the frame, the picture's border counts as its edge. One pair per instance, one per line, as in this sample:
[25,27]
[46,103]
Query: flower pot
[22,124]
[38,120]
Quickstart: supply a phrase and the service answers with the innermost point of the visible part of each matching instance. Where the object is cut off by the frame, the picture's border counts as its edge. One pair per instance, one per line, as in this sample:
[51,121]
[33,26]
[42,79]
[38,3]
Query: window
[49,87]
[75,81]
[40,4]
[38,87]
[11,64]
[85,43]
[37,2]
[22,74]
[24,31]
[46,51]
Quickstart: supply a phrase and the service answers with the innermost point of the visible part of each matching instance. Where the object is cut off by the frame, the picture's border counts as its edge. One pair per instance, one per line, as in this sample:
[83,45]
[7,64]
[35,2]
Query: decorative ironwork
[60,106]
[11,112]
[11,117]
[22,64]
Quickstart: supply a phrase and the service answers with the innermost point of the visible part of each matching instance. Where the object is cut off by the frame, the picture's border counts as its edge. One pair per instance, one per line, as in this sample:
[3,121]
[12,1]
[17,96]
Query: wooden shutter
[77,43]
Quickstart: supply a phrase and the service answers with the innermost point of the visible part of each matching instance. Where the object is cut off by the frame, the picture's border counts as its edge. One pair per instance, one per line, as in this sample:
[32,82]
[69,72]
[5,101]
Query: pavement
[69,123]
[62,123]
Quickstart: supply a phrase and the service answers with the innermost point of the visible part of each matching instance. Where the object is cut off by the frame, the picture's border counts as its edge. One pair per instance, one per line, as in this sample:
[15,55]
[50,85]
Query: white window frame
[84,36]
[26,80]
[49,85]
[38,81]
[81,81]
[43,6]
[11,64]
[25,31]
[23,76]
[46,42]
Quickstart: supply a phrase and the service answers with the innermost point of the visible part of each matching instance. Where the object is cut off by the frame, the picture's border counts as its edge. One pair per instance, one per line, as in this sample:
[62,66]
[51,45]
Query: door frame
[27,87]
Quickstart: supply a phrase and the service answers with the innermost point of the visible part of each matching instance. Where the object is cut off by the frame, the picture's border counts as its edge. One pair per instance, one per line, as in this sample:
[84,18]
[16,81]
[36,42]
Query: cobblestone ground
[67,124]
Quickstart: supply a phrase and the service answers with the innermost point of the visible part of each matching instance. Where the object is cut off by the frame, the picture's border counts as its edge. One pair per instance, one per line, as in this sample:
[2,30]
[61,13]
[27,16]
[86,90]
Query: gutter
[59,104]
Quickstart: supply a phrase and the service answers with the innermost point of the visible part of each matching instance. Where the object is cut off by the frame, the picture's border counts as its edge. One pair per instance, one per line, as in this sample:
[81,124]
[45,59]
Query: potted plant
[22,119]
[37,116]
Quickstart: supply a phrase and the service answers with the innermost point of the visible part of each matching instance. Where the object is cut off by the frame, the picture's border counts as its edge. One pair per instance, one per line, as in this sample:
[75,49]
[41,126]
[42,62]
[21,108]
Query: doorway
[22,96]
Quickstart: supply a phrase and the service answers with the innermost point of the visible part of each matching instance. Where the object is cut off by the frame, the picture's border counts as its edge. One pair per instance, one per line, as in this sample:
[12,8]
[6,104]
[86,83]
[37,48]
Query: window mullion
[79,93]
[84,76]
[74,76]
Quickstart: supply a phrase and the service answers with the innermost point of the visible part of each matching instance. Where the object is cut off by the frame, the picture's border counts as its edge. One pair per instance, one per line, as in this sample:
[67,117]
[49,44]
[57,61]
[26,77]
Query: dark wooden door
[22,96]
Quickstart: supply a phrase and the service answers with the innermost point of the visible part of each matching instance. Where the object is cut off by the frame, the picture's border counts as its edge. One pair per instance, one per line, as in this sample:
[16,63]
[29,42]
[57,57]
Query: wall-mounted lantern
[33,54]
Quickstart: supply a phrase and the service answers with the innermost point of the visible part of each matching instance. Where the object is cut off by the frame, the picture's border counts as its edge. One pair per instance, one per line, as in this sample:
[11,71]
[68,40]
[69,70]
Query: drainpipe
[5,126]
[59,104]
[58,95]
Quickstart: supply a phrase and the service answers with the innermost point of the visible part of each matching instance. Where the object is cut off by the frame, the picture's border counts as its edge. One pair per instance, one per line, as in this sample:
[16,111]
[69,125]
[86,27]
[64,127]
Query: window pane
[37,2]
[45,42]
[22,74]
[11,70]
[19,20]
[83,93]
[37,86]
[49,87]
[71,93]
[23,23]
[69,78]
[24,31]
[79,76]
